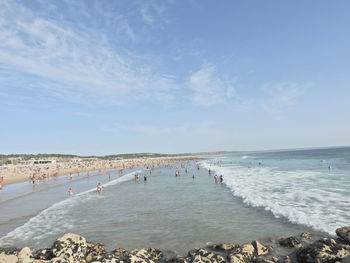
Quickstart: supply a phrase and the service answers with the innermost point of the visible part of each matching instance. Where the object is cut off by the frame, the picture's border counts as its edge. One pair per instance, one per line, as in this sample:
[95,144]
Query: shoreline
[73,248]
[13,174]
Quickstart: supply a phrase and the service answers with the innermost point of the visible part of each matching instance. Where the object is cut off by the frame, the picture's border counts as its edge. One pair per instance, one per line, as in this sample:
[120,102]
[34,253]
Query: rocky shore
[72,248]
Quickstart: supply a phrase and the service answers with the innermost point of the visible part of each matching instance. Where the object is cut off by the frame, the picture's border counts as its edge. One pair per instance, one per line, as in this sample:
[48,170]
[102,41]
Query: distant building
[41,161]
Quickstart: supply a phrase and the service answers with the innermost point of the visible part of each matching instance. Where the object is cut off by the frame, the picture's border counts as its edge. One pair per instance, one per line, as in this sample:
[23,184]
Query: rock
[71,247]
[4,258]
[324,250]
[44,253]
[344,233]
[200,255]
[10,251]
[305,235]
[224,246]
[95,251]
[25,255]
[59,260]
[290,242]
[40,261]
[241,254]
[177,259]
[148,253]
[259,249]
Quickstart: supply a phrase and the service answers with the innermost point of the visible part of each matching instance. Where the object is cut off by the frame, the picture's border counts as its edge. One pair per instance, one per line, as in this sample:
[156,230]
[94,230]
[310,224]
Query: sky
[105,77]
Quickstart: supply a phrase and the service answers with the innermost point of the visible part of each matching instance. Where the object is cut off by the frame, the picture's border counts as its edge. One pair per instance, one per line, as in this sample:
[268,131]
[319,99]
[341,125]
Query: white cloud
[281,95]
[74,60]
[209,87]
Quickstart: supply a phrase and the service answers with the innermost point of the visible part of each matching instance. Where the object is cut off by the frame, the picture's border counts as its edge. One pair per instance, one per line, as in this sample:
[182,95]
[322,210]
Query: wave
[309,198]
[52,220]
[247,157]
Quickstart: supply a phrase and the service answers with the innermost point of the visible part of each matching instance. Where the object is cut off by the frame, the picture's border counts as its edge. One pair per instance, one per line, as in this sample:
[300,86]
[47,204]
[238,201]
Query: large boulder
[325,250]
[4,258]
[25,255]
[71,247]
[344,233]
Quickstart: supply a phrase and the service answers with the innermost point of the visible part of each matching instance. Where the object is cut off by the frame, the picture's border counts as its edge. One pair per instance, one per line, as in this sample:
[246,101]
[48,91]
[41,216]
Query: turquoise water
[256,201]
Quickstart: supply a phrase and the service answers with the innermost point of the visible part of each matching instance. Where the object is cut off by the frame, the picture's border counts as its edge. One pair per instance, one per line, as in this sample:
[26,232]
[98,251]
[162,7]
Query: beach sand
[11,174]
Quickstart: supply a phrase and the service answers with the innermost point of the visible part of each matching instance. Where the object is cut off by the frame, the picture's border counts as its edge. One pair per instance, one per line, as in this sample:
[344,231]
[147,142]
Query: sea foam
[311,198]
[52,220]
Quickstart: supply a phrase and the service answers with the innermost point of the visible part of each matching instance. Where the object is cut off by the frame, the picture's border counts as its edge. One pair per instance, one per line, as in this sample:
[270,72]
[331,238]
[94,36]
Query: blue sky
[103,77]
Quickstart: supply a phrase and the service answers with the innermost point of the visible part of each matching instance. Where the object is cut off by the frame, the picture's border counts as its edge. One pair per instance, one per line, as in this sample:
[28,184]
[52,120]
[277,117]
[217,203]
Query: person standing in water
[99,188]
[221,179]
[145,178]
[216,179]
[70,192]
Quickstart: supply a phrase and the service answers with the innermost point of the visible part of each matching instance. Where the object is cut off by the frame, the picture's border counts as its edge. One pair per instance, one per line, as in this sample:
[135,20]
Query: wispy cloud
[74,59]
[209,87]
[281,95]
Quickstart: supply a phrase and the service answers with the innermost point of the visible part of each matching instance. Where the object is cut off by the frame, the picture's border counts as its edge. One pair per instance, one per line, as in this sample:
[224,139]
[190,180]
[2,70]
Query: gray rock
[71,247]
[292,242]
[344,233]
[324,250]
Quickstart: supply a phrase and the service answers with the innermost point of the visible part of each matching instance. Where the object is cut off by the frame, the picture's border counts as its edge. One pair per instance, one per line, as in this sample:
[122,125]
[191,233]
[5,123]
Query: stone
[148,253]
[44,253]
[224,246]
[59,260]
[325,250]
[200,255]
[242,254]
[344,233]
[25,255]
[292,242]
[95,251]
[10,251]
[177,259]
[260,249]
[71,247]
[305,235]
[4,258]
[40,261]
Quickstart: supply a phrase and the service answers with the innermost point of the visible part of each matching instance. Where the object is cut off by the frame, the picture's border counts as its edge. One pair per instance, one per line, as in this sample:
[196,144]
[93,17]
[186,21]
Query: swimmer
[216,179]
[221,179]
[193,177]
[99,188]
[145,178]
[209,171]
[70,192]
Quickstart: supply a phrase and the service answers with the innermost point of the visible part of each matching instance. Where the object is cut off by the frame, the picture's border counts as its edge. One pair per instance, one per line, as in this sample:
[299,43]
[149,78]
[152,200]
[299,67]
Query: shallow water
[168,212]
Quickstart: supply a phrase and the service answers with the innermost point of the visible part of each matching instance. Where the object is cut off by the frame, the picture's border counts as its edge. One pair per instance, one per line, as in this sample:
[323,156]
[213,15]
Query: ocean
[264,194]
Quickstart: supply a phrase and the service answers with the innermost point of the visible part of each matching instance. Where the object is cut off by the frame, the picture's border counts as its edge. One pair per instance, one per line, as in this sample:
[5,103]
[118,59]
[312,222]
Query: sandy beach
[11,174]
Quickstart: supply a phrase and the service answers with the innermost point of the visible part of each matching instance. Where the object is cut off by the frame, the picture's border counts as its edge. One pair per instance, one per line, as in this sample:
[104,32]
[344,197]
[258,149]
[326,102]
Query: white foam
[52,220]
[311,198]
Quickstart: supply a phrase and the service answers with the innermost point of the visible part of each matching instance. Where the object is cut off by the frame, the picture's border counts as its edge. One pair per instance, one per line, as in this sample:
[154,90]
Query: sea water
[263,195]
